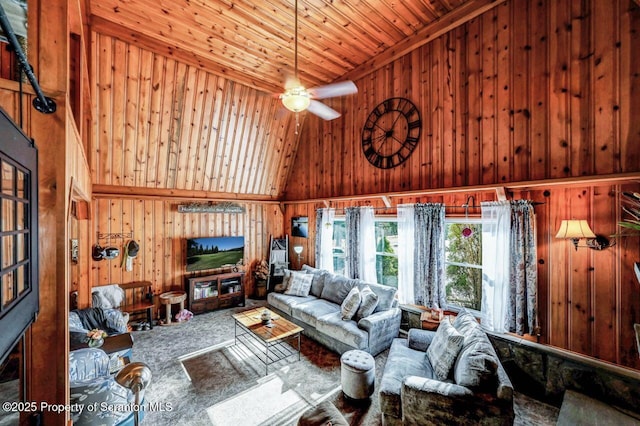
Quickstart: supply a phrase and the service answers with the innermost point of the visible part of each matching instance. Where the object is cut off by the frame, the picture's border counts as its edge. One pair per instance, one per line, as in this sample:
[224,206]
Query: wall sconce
[298,251]
[575,230]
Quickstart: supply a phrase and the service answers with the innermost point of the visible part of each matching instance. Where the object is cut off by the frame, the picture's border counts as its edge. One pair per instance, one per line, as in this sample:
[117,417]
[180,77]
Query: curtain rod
[462,206]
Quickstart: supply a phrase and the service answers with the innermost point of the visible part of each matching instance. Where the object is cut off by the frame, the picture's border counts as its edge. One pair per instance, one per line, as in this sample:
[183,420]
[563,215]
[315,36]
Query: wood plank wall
[588,300]
[163,124]
[161,232]
[528,90]
[531,90]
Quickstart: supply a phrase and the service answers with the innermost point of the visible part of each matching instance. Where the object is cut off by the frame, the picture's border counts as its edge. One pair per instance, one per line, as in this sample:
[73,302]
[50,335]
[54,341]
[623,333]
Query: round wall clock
[391,133]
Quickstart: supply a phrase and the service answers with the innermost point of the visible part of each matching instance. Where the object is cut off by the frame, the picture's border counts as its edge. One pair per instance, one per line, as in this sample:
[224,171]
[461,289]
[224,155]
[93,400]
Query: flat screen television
[214,252]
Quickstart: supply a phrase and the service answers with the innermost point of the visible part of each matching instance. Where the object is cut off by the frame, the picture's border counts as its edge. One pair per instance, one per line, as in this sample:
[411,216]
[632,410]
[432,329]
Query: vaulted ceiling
[185,89]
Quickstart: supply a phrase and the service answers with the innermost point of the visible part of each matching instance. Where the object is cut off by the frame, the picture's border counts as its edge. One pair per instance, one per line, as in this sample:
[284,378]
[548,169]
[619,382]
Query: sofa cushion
[309,312]
[444,349]
[336,288]
[346,332]
[350,304]
[386,295]
[477,363]
[476,366]
[284,302]
[401,362]
[300,284]
[368,303]
[318,279]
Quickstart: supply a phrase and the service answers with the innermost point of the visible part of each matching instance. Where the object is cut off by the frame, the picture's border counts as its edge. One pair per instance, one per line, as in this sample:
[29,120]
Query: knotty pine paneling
[160,123]
[588,300]
[161,232]
[252,42]
[529,90]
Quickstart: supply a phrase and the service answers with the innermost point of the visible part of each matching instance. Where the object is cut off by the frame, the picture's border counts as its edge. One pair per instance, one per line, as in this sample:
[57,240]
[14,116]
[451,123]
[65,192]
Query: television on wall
[214,252]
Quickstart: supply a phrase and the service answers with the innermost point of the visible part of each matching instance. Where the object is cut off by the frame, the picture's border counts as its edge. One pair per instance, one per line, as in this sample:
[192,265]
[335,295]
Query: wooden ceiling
[183,90]
[252,41]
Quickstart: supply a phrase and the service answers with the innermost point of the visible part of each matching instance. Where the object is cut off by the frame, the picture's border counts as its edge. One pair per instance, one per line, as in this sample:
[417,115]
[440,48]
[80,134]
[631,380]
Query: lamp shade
[298,249]
[575,229]
[296,99]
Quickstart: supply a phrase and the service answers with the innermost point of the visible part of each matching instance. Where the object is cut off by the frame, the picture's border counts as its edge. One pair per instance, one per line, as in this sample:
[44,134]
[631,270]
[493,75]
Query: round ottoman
[357,374]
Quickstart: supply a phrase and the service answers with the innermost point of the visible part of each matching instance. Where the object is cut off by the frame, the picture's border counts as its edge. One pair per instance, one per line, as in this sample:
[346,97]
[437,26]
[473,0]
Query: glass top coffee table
[268,342]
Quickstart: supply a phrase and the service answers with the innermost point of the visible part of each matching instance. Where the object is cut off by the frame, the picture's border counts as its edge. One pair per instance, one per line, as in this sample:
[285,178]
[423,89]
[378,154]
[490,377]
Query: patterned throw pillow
[444,349]
[350,304]
[369,301]
[300,284]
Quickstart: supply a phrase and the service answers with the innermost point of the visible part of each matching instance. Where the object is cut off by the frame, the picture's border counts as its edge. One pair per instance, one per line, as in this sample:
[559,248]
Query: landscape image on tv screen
[214,252]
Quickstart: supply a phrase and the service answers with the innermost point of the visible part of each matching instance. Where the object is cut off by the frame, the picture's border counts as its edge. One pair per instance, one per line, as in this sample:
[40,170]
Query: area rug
[234,380]
[201,379]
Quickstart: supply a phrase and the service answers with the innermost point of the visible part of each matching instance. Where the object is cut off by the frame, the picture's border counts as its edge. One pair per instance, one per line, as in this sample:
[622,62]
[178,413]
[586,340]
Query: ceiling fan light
[296,99]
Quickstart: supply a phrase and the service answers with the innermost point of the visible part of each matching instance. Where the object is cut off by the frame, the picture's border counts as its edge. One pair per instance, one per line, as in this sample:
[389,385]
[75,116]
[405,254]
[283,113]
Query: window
[387,251]
[463,262]
[339,249]
[386,231]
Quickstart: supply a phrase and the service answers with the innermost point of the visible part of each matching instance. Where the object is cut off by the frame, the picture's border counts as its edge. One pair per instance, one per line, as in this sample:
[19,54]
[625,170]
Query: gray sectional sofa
[320,315]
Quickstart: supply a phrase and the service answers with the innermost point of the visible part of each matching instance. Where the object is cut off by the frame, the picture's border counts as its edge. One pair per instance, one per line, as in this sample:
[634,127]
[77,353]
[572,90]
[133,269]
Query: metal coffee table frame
[268,344]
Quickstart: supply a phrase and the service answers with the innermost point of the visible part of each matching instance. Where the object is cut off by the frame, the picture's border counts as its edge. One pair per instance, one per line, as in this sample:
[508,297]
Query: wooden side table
[429,323]
[170,298]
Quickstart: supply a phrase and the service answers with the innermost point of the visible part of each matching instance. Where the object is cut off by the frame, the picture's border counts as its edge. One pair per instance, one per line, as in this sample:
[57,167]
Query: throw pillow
[318,279]
[350,304]
[336,288]
[300,284]
[444,349]
[369,301]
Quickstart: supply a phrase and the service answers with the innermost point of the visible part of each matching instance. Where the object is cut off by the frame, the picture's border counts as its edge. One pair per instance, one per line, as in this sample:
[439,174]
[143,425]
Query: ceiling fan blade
[322,111]
[332,90]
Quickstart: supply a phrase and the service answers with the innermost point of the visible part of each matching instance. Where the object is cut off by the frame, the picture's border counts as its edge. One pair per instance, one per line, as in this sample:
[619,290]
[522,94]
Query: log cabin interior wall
[164,124]
[528,91]
[161,231]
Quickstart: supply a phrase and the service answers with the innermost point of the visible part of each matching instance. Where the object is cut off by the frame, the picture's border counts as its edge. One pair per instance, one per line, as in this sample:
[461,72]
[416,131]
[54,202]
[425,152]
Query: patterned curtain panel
[428,281]
[352,224]
[521,309]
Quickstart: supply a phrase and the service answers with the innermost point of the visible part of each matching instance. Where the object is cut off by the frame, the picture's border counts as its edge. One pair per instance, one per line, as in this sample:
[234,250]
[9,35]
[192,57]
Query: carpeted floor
[201,378]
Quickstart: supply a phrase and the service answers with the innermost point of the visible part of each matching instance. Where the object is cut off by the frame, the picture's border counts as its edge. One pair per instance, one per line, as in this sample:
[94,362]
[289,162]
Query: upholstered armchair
[91,384]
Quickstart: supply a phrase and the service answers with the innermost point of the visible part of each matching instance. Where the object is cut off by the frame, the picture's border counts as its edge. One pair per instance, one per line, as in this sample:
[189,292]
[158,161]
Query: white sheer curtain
[406,224]
[496,232]
[324,231]
[367,242]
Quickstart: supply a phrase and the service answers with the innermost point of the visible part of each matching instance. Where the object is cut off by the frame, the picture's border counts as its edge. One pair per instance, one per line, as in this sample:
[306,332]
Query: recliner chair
[91,385]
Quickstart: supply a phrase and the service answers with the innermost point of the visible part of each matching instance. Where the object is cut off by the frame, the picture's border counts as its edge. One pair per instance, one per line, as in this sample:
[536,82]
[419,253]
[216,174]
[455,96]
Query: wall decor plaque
[224,207]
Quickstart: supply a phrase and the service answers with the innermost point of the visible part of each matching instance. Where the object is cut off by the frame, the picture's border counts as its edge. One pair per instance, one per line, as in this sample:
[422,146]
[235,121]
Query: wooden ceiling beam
[106,27]
[452,20]
[569,182]
[111,191]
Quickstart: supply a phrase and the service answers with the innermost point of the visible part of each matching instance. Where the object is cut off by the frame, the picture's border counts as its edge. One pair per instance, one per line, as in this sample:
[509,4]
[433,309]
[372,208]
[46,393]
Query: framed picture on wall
[300,226]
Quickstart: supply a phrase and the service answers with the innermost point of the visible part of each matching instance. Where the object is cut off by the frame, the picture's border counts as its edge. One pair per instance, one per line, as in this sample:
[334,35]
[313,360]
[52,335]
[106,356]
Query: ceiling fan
[297,98]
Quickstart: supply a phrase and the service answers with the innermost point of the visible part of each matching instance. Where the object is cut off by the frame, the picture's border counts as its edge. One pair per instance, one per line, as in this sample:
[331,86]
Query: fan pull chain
[297,123]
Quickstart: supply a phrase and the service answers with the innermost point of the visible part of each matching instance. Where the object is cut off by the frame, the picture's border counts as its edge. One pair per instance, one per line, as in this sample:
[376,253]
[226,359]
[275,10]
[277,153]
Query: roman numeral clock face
[391,133]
